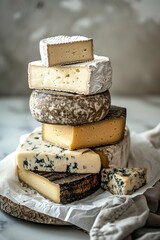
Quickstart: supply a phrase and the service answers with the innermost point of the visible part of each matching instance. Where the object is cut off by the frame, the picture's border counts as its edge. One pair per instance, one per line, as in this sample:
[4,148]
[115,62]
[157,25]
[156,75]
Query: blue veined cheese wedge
[36,155]
[123,181]
[83,78]
[65,50]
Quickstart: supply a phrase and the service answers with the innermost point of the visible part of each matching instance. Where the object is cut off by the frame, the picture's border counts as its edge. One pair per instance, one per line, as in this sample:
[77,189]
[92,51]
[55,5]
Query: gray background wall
[128,31]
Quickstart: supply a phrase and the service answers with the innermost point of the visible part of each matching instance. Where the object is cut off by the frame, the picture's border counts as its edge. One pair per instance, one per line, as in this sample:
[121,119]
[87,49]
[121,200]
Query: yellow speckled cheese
[108,131]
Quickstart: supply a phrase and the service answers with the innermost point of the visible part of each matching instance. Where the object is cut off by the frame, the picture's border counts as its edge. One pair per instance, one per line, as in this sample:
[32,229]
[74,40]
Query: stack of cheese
[81,132]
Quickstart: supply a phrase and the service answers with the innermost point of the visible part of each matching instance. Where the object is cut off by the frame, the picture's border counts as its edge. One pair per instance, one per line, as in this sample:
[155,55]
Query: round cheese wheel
[55,107]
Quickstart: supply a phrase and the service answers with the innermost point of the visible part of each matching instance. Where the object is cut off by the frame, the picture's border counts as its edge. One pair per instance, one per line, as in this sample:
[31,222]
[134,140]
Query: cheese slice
[84,78]
[35,154]
[123,181]
[61,187]
[108,131]
[65,49]
[49,106]
[115,155]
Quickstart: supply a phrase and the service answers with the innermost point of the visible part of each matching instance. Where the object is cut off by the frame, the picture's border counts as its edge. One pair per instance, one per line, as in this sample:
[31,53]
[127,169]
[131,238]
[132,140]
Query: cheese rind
[61,50]
[35,154]
[123,181]
[61,187]
[67,108]
[84,78]
[115,155]
[107,131]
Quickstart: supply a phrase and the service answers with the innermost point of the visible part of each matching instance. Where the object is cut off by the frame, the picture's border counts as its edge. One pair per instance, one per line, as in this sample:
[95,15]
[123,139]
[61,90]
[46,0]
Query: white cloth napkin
[121,215]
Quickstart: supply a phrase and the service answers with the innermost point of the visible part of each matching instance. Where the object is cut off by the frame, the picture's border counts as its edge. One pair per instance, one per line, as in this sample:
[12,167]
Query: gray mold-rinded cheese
[61,187]
[123,181]
[61,50]
[67,108]
[35,154]
[115,155]
[84,78]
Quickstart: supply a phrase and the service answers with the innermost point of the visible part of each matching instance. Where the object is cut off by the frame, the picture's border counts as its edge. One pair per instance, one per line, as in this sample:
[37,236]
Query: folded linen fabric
[119,220]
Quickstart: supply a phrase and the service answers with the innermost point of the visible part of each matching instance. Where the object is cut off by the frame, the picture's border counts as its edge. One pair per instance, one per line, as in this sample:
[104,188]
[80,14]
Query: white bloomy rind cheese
[123,181]
[84,78]
[35,154]
[65,50]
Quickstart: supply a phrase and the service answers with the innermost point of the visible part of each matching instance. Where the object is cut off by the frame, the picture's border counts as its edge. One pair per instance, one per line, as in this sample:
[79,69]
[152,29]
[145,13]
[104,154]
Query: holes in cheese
[62,50]
[83,78]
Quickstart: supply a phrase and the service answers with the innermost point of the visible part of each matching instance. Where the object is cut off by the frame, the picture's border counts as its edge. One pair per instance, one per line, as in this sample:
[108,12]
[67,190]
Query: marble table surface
[143,113]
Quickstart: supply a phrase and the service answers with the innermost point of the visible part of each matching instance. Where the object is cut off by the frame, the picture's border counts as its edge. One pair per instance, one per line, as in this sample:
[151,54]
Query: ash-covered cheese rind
[61,187]
[108,131]
[84,78]
[62,50]
[67,108]
[123,181]
[115,155]
[37,155]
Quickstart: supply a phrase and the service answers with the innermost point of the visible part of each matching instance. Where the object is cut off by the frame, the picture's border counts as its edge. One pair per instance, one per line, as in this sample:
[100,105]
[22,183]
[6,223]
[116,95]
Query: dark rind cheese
[116,112]
[61,187]
[75,187]
[68,108]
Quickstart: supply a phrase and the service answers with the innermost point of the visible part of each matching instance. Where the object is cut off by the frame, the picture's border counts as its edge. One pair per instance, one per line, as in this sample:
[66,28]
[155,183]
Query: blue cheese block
[123,181]
[35,154]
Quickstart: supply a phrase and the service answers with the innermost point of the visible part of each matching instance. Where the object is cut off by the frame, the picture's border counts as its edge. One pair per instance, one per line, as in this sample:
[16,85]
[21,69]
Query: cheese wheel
[62,108]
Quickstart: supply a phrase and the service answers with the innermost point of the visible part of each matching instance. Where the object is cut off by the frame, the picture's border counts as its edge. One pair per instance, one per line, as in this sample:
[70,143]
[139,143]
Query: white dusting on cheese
[63,39]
